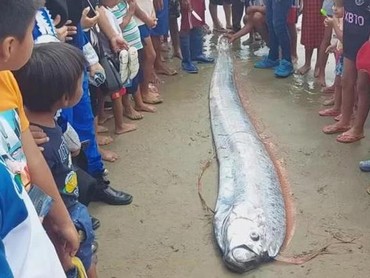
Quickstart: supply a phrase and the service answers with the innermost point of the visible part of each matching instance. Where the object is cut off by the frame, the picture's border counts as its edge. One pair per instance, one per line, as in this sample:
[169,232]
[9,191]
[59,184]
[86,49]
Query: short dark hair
[51,73]
[15,17]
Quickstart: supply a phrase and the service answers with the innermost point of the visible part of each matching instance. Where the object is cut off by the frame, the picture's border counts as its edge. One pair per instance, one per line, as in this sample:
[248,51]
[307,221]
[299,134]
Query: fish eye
[254,236]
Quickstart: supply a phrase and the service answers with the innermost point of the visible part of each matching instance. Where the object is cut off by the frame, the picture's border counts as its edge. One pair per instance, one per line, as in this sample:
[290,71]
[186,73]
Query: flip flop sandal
[104,120]
[133,62]
[101,129]
[333,129]
[329,113]
[347,139]
[137,118]
[123,65]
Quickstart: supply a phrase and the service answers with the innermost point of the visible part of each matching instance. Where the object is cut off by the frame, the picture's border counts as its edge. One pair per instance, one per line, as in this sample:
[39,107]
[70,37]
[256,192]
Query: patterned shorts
[174,8]
[339,66]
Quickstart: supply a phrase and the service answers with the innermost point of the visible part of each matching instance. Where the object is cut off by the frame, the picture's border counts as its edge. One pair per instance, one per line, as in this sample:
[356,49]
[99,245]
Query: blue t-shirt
[58,158]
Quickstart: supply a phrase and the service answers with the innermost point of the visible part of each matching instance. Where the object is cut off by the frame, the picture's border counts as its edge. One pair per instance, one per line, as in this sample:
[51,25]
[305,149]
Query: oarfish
[250,219]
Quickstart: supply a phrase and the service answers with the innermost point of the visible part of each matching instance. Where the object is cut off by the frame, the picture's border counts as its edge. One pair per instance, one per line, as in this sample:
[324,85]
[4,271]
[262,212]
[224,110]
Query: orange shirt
[13,122]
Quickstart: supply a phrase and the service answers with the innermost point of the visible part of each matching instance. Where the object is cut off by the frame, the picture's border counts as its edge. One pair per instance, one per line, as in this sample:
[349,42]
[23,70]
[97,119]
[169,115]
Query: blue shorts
[135,83]
[339,66]
[163,21]
[144,33]
[82,221]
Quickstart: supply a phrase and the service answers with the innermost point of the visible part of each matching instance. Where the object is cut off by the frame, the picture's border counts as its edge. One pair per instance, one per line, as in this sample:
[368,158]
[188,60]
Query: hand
[65,32]
[65,240]
[151,22]
[117,43]
[230,37]
[158,5]
[185,5]
[331,48]
[329,22]
[96,68]
[39,136]
[76,153]
[88,22]
[132,6]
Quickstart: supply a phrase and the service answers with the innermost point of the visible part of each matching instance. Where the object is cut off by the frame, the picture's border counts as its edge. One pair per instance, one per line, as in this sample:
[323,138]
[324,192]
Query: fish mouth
[242,259]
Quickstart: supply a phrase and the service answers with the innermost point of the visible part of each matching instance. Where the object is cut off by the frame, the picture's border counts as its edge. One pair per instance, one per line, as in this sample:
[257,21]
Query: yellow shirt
[13,122]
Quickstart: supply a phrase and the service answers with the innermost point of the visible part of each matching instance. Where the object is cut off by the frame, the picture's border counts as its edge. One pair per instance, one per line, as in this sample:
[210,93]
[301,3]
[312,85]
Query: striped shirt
[130,32]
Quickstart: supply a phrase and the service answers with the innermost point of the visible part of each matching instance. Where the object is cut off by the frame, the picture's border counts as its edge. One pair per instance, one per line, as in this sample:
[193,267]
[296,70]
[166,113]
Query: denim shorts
[82,221]
[339,65]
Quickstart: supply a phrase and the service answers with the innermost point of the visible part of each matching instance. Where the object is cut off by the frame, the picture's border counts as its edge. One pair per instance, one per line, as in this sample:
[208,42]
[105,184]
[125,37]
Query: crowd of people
[65,63]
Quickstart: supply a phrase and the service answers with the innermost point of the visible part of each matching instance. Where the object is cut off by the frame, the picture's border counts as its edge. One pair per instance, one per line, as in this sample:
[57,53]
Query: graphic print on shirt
[11,150]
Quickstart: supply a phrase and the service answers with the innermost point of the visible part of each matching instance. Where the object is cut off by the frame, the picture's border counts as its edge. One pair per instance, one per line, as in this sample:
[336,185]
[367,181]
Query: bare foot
[101,129]
[153,89]
[304,69]
[125,128]
[350,136]
[104,140]
[328,102]
[335,128]
[156,80]
[108,155]
[132,114]
[151,98]
[321,80]
[104,119]
[328,90]
[146,108]
[165,70]
[330,112]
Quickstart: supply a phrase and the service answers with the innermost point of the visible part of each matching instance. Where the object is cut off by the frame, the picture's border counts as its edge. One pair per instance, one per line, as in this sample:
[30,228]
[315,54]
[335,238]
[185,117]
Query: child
[124,12]
[191,35]
[109,24]
[25,249]
[312,33]
[356,31]
[337,48]
[279,38]
[50,81]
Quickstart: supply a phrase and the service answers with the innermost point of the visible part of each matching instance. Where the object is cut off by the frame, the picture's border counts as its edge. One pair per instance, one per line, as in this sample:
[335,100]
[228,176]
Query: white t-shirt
[147,7]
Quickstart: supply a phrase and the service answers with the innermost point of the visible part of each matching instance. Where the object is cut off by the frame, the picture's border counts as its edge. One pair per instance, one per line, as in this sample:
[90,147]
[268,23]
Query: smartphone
[92,12]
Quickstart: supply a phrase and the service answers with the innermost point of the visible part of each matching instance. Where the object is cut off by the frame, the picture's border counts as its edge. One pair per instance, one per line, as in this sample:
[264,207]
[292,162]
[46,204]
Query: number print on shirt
[353,18]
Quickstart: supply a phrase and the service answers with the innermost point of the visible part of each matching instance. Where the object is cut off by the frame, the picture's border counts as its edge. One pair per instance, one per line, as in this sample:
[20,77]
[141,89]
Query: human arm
[335,24]
[89,22]
[60,223]
[130,13]
[116,41]
[151,22]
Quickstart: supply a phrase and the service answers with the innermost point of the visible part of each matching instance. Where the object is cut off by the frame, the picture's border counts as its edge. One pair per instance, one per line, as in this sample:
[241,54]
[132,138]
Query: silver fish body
[250,221]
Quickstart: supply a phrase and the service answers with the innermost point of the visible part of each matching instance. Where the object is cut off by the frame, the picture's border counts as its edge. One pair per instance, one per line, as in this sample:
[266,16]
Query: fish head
[244,239]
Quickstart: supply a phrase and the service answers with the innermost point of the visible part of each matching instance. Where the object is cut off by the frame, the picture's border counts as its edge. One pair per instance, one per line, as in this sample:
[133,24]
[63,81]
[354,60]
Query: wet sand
[166,233]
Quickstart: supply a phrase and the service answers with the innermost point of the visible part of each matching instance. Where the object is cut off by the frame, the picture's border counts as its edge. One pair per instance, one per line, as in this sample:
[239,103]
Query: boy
[50,81]
[29,252]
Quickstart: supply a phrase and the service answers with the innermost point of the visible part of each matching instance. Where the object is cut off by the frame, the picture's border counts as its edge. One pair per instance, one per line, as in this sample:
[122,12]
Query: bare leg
[227,10]
[348,84]
[140,105]
[293,39]
[323,56]
[174,31]
[147,58]
[335,110]
[307,65]
[217,26]
[363,91]
[128,110]
[159,66]
[91,272]
[120,126]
